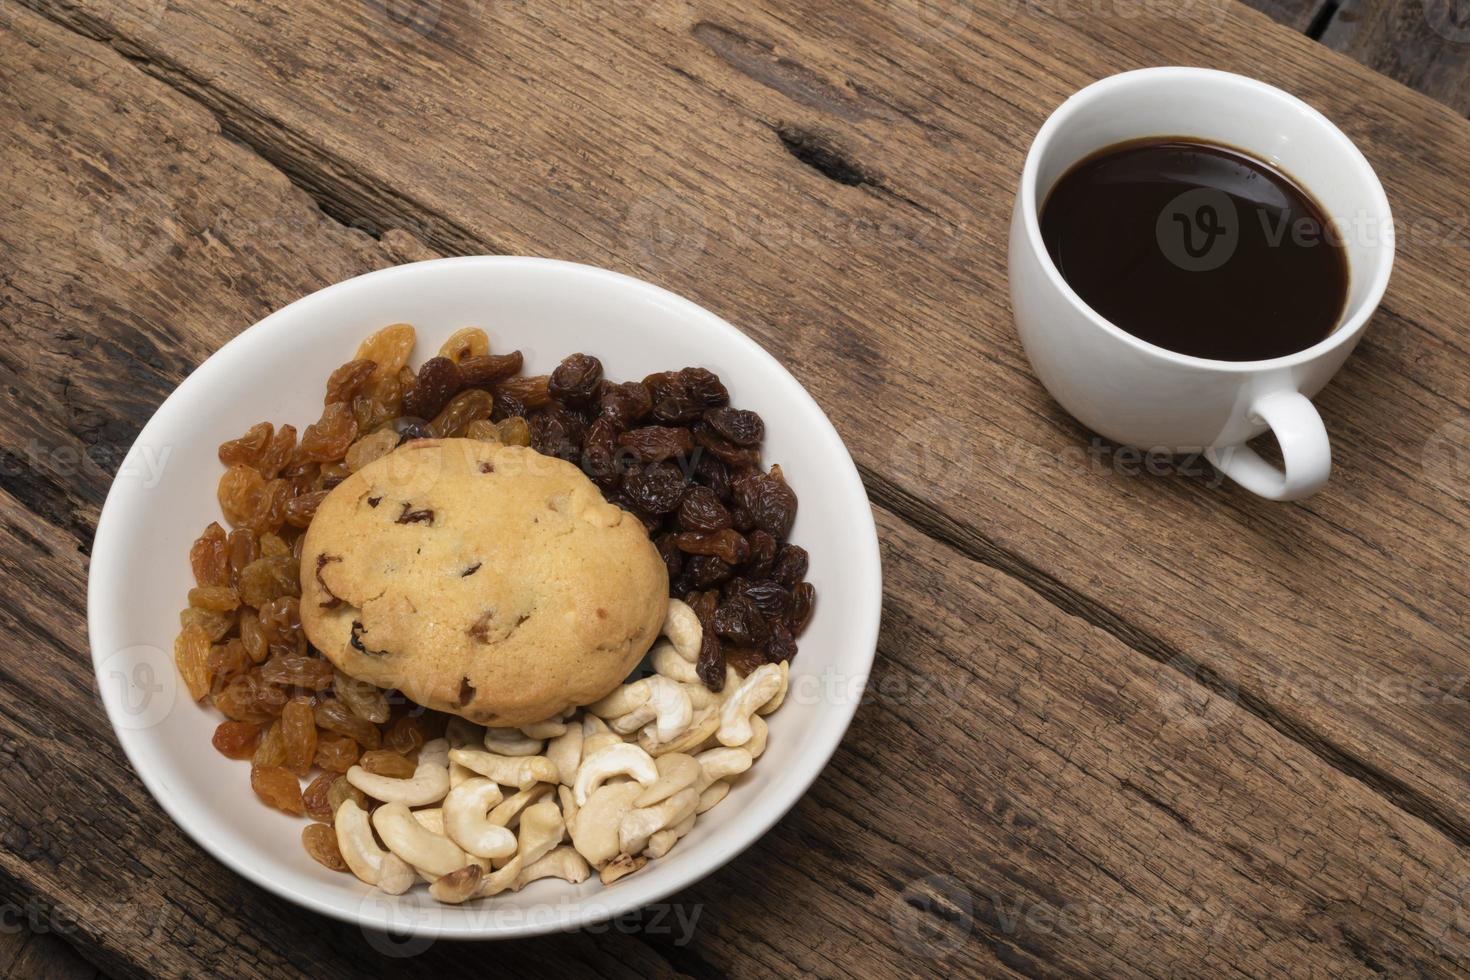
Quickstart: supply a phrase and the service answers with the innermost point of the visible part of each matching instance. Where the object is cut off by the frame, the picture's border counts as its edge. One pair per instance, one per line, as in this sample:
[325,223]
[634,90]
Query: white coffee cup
[1138,394]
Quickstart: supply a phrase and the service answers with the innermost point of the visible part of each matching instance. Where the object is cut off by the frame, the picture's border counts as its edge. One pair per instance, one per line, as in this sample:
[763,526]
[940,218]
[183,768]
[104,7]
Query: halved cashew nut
[522,772]
[620,867]
[364,857]
[753,692]
[560,862]
[625,759]
[511,741]
[717,764]
[667,662]
[672,708]
[595,834]
[663,841]
[683,629]
[466,820]
[428,784]
[410,840]
[550,728]
[780,695]
[621,701]
[676,771]
[541,830]
[639,824]
[711,797]
[506,813]
[706,722]
[565,752]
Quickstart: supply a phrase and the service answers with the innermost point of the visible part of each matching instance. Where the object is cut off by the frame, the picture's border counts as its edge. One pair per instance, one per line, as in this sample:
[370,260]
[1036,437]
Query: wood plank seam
[302,162]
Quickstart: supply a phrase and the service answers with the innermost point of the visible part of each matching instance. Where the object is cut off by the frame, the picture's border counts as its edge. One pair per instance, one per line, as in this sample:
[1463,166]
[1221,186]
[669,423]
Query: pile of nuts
[621,780]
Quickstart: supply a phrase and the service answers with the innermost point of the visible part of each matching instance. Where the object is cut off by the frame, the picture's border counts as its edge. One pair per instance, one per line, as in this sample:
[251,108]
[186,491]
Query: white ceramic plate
[164,496]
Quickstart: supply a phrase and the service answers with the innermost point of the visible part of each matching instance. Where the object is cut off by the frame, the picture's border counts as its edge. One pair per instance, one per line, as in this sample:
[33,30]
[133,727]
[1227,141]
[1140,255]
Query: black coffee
[1197,248]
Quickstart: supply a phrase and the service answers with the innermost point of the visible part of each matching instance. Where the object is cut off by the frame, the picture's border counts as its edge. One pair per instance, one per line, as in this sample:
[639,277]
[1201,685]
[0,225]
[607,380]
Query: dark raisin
[575,379]
[770,598]
[532,392]
[655,489]
[704,605]
[714,474]
[438,380]
[781,645]
[711,664]
[701,510]
[410,516]
[762,553]
[769,501]
[506,406]
[410,427]
[703,386]
[803,597]
[677,410]
[484,370]
[664,384]
[739,620]
[626,403]
[656,443]
[791,565]
[740,457]
[744,659]
[737,425]
[600,457]
[706,571]
[668,549]
[727,545]
[558,432]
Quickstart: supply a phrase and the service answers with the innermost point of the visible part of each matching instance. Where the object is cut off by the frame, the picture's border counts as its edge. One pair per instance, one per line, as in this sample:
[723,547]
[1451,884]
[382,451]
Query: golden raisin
[335,753]
[272,748]
[269,578]
[406,735]
[243,497]
[471,405]
[327,439]
[210,557]
[273,546]
[484,431]
[348,380]
[466,342]
[251,635]
[386,762]
[249,448]
[388,348]
[340,791]
[298,731]
[320,842]
[278,788]
[216,598]
[317,796]
[226,662]
[236,739]
[335,717]
[216,625]
[191,653]
[364,700]
[514,431]
[369,448]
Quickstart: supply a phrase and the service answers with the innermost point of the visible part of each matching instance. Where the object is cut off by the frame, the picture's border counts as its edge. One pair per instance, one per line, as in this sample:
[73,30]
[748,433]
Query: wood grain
[1119,725]
[882,152]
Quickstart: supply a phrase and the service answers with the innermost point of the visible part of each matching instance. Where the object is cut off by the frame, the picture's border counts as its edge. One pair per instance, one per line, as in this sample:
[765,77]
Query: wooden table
[1119,724]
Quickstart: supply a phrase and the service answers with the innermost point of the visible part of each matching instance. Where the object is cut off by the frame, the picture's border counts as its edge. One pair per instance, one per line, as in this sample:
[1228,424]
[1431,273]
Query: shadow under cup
[1134,392]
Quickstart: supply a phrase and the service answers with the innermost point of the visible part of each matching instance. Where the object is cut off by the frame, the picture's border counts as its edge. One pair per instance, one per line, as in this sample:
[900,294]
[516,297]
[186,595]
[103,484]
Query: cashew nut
[467,824]
[364,857]
[568,801]
[701,696]
[780,695]
[592,725]
[431,819]
[522,772]
[410,840]
[667,662]
[507,813]
[663,841]
[671,705]
[706,722]
[459,773]
[550,728]
[626,759]
[595,834]
[428,784]
[676,771]
[620,867]
[542,828]
[639,824]
[511,741]
[712,796]
[717,764]
[458,886]
[632,721]
[594,744]
[560,862]
[759,731]
[565,752]
[753,692]
[621,701]
[683,629]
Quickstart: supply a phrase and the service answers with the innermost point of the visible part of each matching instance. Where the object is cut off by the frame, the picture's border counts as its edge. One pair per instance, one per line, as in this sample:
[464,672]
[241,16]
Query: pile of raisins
[669,449]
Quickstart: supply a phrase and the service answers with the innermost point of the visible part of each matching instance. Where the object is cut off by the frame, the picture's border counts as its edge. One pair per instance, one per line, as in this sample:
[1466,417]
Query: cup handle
[1305,450]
